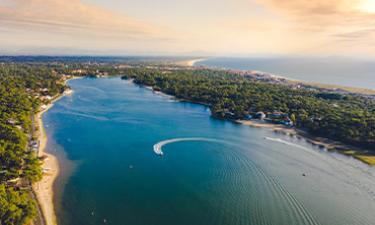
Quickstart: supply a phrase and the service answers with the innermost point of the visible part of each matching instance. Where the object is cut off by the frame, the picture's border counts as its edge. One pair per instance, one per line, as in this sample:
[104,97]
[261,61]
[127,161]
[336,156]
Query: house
[79,71]
[288,122]
[248,117]
[277,115]
[34,145]
[260,115]
[12,121]
[68,91]
[229,115]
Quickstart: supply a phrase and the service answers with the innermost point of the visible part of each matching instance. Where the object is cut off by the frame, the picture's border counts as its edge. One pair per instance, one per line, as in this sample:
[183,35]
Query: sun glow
[368,6]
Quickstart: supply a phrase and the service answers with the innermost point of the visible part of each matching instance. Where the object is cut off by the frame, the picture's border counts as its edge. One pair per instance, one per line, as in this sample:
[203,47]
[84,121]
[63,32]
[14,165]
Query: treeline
[342,117]
[20,88]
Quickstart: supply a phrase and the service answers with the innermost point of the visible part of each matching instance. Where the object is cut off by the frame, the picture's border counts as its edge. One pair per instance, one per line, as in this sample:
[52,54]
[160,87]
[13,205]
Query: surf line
[158,147]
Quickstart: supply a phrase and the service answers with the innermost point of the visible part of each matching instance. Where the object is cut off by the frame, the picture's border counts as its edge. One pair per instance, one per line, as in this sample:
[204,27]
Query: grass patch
[360,155]
[368,159]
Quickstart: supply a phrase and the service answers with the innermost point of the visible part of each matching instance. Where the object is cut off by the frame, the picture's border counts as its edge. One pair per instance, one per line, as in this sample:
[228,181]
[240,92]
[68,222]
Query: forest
[347,118]
[20,88]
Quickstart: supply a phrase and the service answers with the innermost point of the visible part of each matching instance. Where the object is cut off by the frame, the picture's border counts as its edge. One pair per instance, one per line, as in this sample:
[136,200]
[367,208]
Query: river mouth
[108,129]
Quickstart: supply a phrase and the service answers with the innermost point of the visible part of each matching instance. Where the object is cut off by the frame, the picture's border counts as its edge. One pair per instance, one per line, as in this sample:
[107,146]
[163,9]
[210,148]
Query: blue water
[330,70]
[240,175]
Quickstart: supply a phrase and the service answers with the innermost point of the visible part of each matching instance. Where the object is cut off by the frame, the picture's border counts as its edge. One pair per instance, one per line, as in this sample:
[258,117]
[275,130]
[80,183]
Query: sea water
[348,72]
[211,172]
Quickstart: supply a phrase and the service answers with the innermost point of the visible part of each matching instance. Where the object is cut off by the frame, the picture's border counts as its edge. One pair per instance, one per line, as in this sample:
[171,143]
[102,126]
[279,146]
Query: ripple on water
[265,201]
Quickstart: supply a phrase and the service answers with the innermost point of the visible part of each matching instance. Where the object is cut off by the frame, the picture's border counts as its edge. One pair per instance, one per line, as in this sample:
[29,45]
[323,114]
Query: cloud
[358,34]
[72,17]
[237,26]
[327,22]
[322,14]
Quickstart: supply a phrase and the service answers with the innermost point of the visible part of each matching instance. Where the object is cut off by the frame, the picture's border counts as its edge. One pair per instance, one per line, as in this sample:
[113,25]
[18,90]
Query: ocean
[211,172]
[358,73]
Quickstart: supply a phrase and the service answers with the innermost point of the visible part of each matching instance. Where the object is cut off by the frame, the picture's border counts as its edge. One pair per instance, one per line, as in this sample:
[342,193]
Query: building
[12,121]
[34,145]
[248,117]
[230,115]
[260,115]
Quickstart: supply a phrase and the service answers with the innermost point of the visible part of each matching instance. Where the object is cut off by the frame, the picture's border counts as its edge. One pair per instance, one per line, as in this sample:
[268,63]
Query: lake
[329,70]
[225,174]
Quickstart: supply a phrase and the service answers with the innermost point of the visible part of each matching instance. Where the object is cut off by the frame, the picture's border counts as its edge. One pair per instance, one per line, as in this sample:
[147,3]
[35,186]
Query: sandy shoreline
[325,143]
[191,62]
[356,90]
[358,153]
[50,166]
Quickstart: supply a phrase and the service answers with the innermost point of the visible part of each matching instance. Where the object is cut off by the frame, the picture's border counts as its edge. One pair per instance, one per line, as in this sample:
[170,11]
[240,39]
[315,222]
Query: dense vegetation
[342,117]
[20,89]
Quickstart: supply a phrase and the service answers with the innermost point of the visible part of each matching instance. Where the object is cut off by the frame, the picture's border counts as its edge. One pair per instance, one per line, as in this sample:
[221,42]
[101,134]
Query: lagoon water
[329,70]
[213,173]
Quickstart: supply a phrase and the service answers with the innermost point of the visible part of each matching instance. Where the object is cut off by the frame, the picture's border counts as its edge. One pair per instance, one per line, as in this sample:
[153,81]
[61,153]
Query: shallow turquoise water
[108,128]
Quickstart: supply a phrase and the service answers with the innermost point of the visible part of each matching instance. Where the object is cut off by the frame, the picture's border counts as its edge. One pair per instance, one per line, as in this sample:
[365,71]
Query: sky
[194,27]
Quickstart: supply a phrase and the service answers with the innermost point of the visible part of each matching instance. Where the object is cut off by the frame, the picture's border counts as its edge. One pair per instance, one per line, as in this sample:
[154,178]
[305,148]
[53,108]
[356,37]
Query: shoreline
[360,154]
[44,189]
[357,153]
[333,87]
[50,168]
[191,62]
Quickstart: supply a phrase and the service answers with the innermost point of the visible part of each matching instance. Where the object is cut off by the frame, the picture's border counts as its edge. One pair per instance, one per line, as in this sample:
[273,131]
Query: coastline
[50,166]
[323,143]
[334,87]
[361,154]
[356,90]
[357,153]
[191,62]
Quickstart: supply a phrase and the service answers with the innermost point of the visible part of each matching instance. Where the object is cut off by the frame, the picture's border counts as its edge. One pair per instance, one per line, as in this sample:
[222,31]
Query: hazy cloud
[71,15]
[219,27]
[338,25]
[322,14]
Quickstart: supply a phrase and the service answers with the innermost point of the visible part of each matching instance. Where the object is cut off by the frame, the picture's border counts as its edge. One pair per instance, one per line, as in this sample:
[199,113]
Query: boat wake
[270,190]
[158,147]
[285,142]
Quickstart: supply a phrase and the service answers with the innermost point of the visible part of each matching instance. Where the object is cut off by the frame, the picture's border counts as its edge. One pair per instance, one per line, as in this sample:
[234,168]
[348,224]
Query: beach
[191,62]
[50,166]
[350,151]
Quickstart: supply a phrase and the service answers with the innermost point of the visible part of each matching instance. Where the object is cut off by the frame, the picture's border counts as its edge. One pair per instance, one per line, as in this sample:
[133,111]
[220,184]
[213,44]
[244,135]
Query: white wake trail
[285,142]
[158,147]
